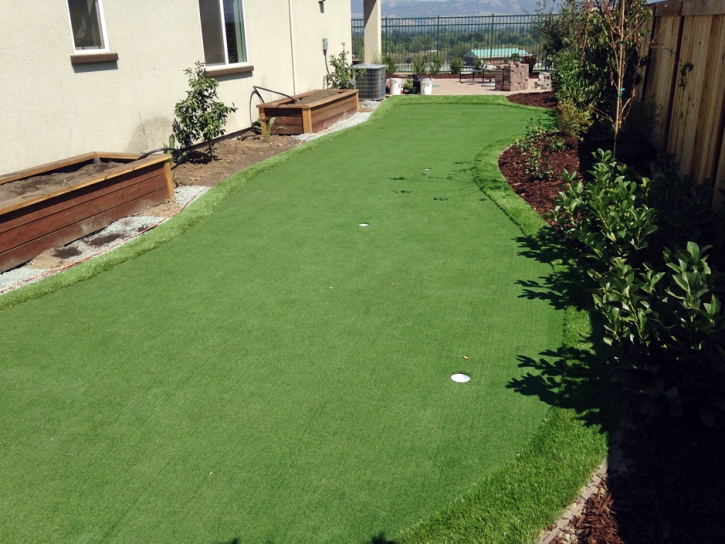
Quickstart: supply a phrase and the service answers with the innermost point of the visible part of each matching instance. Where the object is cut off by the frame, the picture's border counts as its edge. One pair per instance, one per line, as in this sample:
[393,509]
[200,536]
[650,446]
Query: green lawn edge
[516,502]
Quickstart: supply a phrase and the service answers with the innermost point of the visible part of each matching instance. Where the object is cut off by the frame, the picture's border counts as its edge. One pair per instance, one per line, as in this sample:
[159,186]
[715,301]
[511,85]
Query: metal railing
[484,38]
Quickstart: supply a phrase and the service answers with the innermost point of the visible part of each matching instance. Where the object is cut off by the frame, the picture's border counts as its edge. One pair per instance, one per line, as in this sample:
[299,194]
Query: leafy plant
[530,146]
[435,66]
[343,73]
[573,120]
[456,65]
[420,64]
[657,294]
[200,116]
[390,65]
[515,57]
[478,63]
[408,85]
[266,129]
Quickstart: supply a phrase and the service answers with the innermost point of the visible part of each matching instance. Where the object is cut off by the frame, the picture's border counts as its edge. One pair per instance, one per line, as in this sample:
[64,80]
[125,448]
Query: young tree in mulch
[200,116]
[597,48]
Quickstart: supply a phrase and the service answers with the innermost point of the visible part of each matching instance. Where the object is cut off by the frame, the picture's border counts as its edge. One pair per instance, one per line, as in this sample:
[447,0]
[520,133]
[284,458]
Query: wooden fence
[692,114]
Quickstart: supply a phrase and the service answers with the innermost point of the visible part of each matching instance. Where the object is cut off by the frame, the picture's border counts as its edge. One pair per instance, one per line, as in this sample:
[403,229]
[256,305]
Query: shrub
[655,290]
[576,80]
[572,120]
[420,64]
[456,65]
[200,116]
[343,73]
[531,145]
[435,66]
[390,66]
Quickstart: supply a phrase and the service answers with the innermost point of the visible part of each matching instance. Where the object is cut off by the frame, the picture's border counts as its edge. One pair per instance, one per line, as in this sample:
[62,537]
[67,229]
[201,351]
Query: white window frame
[224,38]
[102,18]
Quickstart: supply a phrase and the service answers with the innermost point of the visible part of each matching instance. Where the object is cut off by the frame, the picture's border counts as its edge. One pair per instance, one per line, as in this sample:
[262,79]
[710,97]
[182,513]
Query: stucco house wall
[51,109]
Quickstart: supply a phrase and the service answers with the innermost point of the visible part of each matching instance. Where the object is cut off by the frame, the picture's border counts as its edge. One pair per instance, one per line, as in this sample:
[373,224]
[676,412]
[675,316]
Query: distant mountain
[448,8]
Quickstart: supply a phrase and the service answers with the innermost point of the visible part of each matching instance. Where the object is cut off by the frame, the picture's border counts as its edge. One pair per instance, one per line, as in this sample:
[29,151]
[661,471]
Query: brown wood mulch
[666,477]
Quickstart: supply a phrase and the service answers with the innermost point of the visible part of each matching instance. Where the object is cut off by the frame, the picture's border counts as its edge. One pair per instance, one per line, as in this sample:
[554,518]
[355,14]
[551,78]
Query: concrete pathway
[453,87]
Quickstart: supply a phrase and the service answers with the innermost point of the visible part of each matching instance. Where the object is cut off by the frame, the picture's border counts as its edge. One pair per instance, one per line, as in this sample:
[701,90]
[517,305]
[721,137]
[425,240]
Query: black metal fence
[484,38]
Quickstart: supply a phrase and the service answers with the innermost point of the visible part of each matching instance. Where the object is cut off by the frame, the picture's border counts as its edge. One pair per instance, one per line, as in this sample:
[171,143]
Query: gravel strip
[116,234]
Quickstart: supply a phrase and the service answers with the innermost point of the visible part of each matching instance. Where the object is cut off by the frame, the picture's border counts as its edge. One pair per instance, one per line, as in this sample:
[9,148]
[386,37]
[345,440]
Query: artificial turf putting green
[279,373]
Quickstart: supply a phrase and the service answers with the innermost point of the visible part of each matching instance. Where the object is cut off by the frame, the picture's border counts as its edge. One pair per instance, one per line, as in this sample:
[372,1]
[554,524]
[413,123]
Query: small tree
[200,116]
[625,23]
[342,72]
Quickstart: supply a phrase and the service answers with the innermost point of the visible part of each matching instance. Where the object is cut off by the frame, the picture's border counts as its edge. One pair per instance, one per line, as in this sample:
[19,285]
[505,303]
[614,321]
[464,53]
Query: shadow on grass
[575,376]
[665,475]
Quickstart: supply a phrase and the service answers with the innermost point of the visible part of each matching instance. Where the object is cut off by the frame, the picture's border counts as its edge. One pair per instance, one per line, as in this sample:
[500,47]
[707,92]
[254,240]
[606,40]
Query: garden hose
[256,90]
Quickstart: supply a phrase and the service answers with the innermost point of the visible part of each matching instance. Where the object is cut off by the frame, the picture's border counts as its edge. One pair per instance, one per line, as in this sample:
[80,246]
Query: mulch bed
[540,194]
[665,483]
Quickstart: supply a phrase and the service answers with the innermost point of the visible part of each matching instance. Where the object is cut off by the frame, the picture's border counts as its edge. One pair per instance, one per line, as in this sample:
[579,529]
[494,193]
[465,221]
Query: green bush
[572,120]
[536,139]
[343,73]
[420,65]
[578,81]
[200,116]
[435,66]
[456,65]
[655,290]
[390,66]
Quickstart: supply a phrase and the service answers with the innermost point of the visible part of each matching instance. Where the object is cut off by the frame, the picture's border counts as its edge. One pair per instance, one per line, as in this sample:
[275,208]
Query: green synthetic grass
[280,374]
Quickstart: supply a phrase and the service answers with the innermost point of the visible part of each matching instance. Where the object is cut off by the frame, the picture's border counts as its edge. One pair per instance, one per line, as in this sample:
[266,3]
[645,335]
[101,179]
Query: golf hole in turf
[364,224]
[461,378]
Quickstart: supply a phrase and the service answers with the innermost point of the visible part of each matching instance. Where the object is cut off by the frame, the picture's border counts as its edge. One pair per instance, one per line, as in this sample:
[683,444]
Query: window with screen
[86,21]
[222,31]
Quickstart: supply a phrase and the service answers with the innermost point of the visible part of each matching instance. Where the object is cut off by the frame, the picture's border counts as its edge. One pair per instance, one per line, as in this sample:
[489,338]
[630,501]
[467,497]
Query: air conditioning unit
[372,83]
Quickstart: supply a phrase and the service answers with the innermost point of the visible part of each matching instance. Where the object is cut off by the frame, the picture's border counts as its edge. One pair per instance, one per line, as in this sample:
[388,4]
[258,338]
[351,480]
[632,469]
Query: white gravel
[351,121]
[114,235]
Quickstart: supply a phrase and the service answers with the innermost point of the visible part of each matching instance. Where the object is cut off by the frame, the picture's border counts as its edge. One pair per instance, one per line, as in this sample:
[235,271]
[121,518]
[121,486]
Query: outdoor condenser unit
[372,83]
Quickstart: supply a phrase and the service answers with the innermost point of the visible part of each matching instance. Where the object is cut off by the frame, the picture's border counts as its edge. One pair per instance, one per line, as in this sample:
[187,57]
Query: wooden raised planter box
[51,205]
[309,115]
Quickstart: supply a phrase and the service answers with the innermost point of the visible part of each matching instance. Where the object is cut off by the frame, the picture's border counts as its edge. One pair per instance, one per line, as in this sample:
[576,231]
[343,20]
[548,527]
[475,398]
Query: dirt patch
[166,209]
[66,252]
[317,96]
[47,183]
[101,241]
[543,100]
[231,156]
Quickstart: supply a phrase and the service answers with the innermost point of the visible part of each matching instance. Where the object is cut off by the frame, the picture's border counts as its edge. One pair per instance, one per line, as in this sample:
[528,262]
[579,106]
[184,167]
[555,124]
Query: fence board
[662,71]
[710,122]
[687,103]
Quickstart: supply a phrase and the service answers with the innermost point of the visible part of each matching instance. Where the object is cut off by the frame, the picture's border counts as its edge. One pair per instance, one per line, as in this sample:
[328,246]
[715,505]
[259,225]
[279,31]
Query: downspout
[292,49]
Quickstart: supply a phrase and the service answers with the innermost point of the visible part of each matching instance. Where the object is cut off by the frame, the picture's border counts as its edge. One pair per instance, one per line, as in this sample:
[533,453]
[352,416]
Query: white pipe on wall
[292,48]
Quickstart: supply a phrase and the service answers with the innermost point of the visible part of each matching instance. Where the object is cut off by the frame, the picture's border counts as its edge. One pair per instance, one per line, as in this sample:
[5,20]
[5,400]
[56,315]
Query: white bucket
[426,86]
[396,86]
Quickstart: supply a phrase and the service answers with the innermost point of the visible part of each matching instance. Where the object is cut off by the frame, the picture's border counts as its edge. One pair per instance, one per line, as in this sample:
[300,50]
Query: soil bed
[231,156]
[317,96]
[47,183]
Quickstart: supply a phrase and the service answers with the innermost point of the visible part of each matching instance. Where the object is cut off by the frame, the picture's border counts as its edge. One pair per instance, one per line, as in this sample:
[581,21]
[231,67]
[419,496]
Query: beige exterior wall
[51,109]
